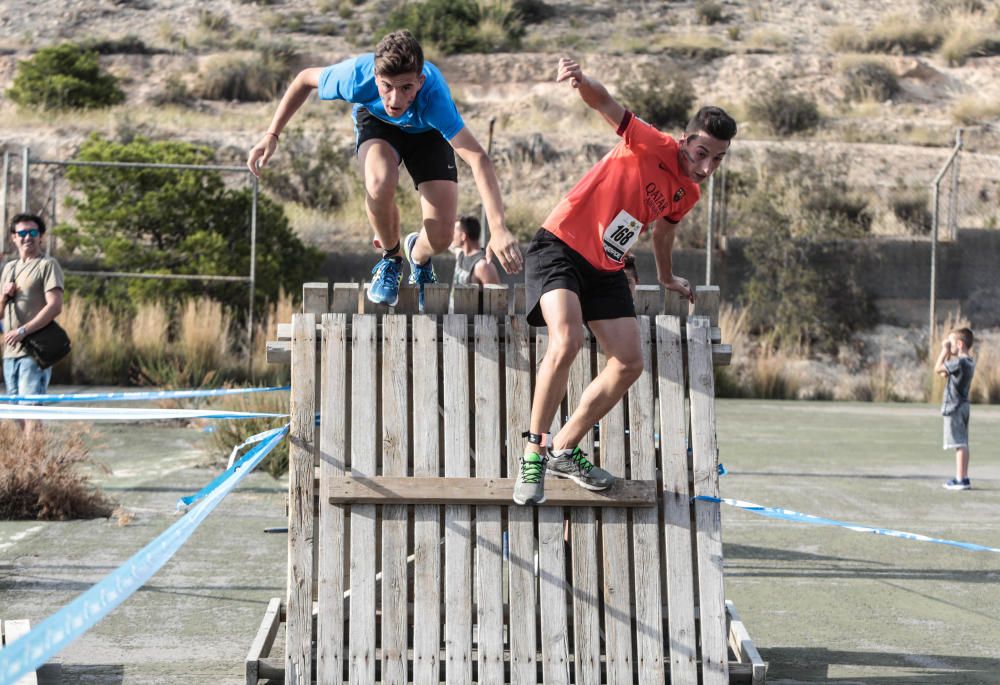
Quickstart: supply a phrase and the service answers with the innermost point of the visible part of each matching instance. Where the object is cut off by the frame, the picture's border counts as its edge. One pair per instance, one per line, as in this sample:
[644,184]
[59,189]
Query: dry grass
[970,34]
[101,354]
[228,434]
[973,109]
[40,476]
[986,382]
[876,384]
[279,311]
[151,330]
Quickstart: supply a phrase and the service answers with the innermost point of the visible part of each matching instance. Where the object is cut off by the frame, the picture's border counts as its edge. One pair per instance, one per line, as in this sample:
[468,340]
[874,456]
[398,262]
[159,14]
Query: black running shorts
[551,264]
[427,156]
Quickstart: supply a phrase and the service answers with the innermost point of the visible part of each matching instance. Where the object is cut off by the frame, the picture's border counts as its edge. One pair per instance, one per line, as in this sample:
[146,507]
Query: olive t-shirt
[34,278]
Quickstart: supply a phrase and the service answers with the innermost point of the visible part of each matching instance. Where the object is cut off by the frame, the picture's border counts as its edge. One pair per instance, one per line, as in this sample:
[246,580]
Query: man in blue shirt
[403,113]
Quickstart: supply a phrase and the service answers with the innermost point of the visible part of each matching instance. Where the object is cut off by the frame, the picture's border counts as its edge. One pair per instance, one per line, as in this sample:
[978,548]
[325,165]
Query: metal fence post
[953,205]
[255,183]
[25,153]
[711,230]
[3,202]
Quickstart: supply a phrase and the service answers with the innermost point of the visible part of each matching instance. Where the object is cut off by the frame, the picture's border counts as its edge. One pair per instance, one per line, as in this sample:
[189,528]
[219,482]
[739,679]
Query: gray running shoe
[572,463]
[530,485]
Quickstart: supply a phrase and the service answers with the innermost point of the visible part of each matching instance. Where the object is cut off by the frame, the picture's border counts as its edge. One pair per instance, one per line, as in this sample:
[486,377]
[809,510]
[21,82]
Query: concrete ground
[822,604]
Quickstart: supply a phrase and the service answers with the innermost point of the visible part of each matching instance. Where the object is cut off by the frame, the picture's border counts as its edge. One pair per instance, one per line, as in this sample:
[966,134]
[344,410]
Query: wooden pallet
[399,501]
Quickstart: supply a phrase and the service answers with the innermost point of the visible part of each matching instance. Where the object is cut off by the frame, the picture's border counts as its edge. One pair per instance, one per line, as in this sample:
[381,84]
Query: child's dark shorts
[551,264]
[427,156]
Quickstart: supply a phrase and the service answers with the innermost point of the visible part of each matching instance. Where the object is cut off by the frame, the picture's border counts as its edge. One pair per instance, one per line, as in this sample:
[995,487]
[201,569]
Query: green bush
[457,26]
[175,221]
[910,207]
[259,79]
[708,11]
[869,80]
[534,11]
[317,176]
[64,77]
[653,101]
[127,45]
[785,113]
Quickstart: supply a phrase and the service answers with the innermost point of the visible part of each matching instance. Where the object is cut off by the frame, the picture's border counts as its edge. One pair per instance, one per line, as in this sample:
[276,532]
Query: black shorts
[427,156]
[551,264]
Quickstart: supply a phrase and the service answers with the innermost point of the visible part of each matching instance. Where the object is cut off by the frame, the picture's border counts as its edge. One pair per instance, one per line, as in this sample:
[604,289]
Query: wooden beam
[260,648]
[315,298]
[743,647]
[484,491]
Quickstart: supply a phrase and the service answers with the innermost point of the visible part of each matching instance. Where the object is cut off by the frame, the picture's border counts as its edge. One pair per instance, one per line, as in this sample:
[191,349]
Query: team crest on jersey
[678,195]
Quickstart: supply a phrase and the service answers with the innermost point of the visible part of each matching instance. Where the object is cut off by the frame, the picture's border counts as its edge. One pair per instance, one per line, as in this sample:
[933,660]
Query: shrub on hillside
[869,80]
[64,77]
[534,11]
[457,26]
[708,11]
[904,35]
[910,207]
[260,78]
[126,45]
[315,176]
[785,113]
[651,99]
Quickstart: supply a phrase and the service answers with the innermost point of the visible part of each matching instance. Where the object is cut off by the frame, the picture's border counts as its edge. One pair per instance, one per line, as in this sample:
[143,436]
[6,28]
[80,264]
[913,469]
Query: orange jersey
[636,183]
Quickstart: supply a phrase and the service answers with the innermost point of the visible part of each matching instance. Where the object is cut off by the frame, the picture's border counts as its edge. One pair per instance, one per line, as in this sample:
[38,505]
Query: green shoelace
[580,457]
[531,471]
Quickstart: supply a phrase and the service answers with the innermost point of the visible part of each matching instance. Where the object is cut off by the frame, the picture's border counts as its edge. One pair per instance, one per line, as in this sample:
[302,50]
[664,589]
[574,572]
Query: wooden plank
[552,585]
[409,300]
[649,300]
[520,520]
[495,298]
[465,299]
[436,297]
[344,298]
[260,648]
[743,647]
[485,491]
[395,447]
[583,548]
[330,538]
[708,524]
[13,629]
[301,477]
[315,298]
[675,305]
[615,537]
[361,649]
[645,522]
[489,540]
[519,296]
[707,301]
[427,525]
[676,502]
[457,523]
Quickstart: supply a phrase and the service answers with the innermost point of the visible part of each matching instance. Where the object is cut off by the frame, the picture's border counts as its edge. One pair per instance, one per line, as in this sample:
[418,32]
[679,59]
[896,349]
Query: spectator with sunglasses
[32,296]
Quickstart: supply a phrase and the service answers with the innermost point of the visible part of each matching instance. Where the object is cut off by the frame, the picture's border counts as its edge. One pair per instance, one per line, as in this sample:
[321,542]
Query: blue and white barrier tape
[29,652]
[139,396]
[18,411]
[184,502]
[788,515]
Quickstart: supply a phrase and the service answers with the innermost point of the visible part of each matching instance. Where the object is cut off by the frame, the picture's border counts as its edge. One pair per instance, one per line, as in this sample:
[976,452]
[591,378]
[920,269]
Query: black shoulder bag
[48,344]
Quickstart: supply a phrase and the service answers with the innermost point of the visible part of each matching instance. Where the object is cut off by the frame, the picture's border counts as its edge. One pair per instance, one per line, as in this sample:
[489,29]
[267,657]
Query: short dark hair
[470,225]
[21,218]
[398,53]
[965,335]
[714,121]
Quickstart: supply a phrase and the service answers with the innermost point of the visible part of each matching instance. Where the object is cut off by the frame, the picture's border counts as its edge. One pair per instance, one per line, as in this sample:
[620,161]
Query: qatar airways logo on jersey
[656,200]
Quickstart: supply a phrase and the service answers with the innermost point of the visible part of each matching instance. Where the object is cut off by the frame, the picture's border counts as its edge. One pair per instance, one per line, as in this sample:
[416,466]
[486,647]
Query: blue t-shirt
[353,80]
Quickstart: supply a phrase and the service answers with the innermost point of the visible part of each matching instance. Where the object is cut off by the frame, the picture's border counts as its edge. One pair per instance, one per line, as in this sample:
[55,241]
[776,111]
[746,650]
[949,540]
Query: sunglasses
[33,232]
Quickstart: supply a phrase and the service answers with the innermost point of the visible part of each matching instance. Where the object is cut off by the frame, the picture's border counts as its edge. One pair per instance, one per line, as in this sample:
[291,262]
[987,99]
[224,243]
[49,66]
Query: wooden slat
[436,296]
[675,305]
[361,650]
[260,648]
[489,541]
[583,538]
[465,299]
[708,300]
[458,548]
[11,630]
[333,457]
[495,299]
[552,586]
[519,298]
[315,298]
[649,300]
[676,501]
[485,491]
[427,525]
[298,637]
[614,537]
[344,298]
[708,524]
[645,522]
[520,520]
[395,446]
[409,300]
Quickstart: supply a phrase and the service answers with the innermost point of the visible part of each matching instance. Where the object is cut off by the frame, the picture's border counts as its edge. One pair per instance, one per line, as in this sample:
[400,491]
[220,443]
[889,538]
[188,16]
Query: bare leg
[962,463]
[564,318]
[380,169]
[619,338]
[439,206]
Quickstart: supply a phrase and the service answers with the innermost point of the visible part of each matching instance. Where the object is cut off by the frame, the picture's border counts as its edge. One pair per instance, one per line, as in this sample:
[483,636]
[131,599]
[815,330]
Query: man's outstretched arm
[591,91]
[297,93]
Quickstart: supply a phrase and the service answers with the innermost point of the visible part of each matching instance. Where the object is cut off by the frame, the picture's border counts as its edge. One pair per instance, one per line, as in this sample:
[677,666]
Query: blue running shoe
[419,273]
[386,275]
